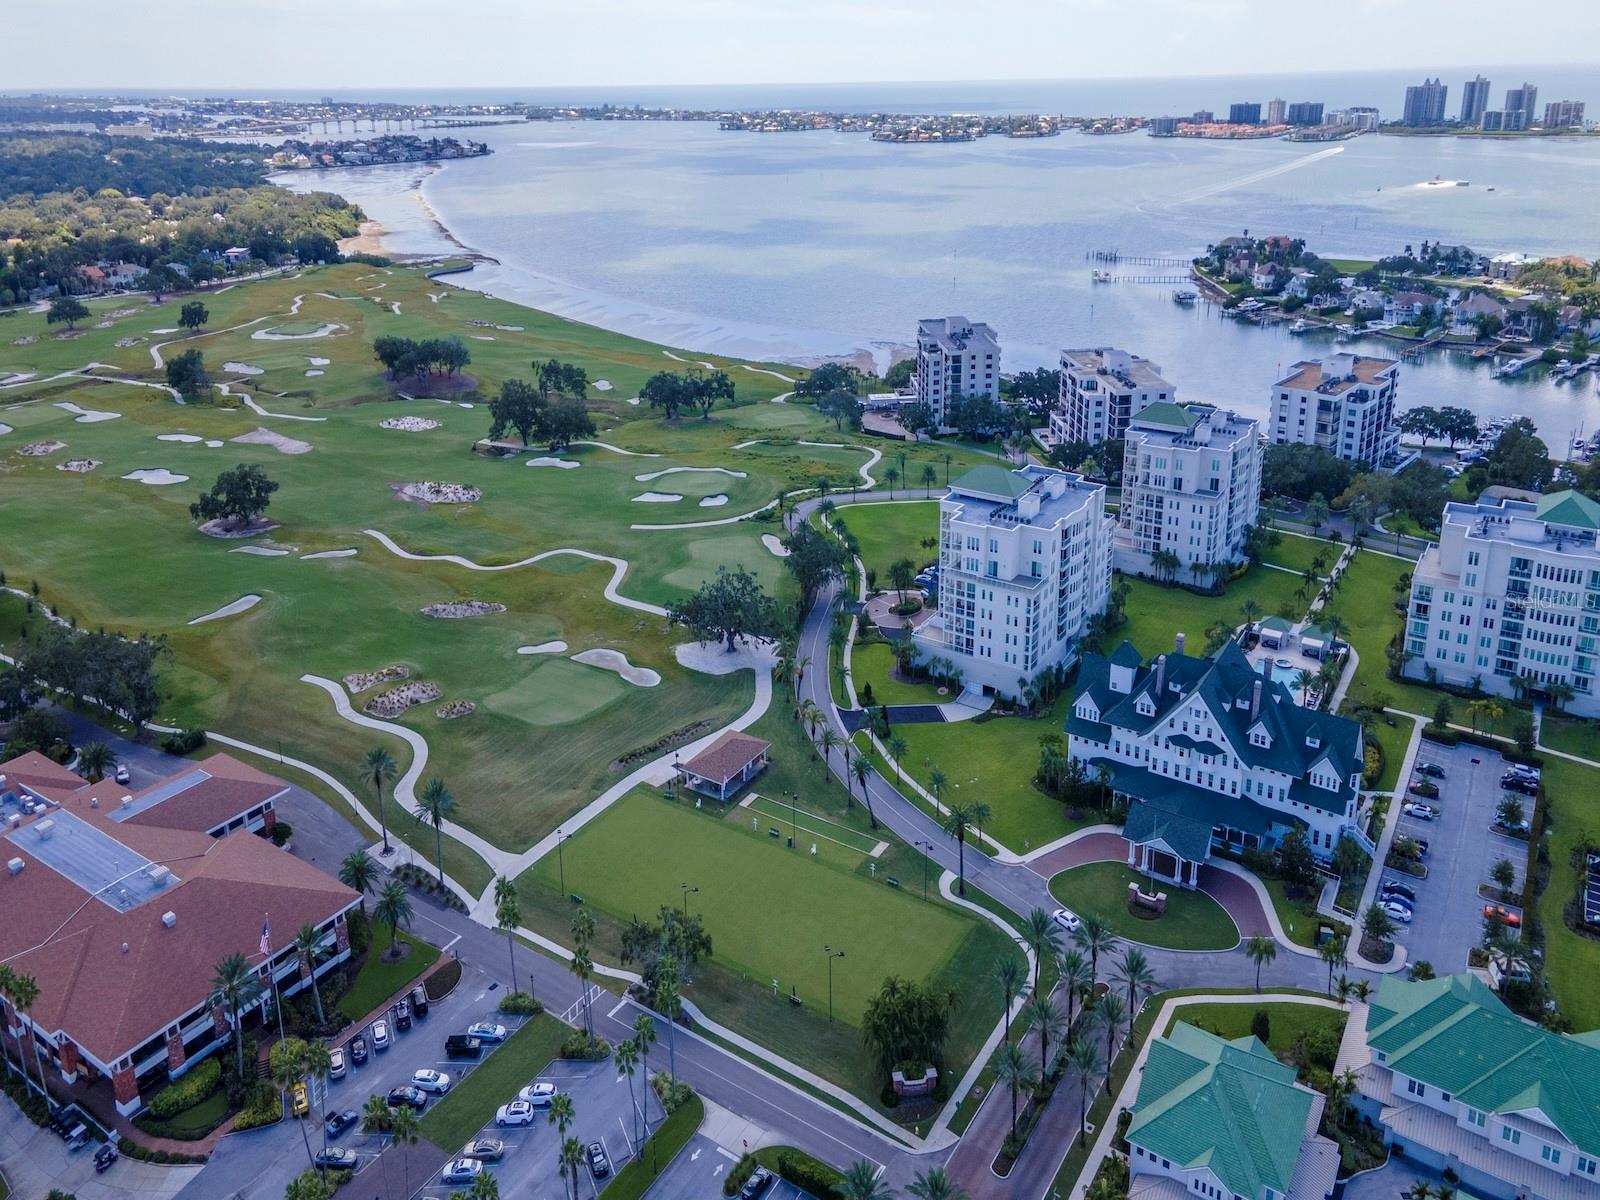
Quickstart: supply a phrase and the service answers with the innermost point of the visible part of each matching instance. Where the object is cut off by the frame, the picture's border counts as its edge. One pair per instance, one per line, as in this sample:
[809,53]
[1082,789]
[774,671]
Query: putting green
[706,554]
[557,692]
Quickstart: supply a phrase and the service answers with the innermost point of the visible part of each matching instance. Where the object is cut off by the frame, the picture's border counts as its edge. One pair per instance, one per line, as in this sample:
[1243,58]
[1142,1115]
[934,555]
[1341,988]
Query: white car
[1421,812]
[518,1112]
[538,1094]
[1395,912]
[487,1031]
[1066,919]
[461,1170]
[429,1080]
[122,775]
[336,1063]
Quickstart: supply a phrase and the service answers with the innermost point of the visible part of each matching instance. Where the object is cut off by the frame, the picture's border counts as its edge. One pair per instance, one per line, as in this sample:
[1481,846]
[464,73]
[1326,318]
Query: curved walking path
[755,512]
[617,449]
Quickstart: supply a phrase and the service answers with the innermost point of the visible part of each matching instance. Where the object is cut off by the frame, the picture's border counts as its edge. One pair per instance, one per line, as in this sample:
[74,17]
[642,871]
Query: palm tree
[1045,1019]
[94,760]
[892,475]
[376,1116]
[1362,989]
[394,910]
[1346,989]
[1110,1015]
[237,987]
[358,872]
[830,739]
[507,916]
[929,477]
[1072,974]
[1260,950]
[936,782]
[668,1004]
[863,771]
[308,940]
[897,751]
[1094,937]
[563,1112]
[1134,973]
[24,995]
[435,806]
[1016,1072]
[377,768]
[1332,953]
[8,981]
[1008,978]
[627,1055]
[1042,935]
[318,1063]
[289,1068]
[582,965]
[572,1159]
[1085,1060]
[956,820]
[1303,680]
[936,1184]
[484,1187]
[861,1183]
[406,1128]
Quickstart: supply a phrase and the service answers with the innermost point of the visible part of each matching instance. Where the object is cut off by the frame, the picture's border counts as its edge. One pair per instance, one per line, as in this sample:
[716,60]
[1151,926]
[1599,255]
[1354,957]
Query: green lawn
[1298,917]
[1571,960]
[1297,552]
[470,1105]
[1193,920]
[888,532]
[1155,613]
[1365,599]
[873,664]
[1287,1021]
[378,980]
[202,1117]
[1394,739]
[1572,735]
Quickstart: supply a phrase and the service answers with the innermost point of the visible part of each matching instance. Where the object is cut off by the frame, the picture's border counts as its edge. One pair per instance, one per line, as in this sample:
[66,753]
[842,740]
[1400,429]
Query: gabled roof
[1569,508]
[1229,1107]
[34,771]
[995,482]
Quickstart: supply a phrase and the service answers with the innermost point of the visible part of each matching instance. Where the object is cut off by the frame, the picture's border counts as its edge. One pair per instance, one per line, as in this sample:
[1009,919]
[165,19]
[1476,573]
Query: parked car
[402,1016]
[104,1157]
[338,1122]
[461,1170]
[518,1112]
[487,1031]
[337,1158]
[538,1094]
[1423,788]
[462,1045]
[1393,887]
[760,1180]
[122,775]
[358,1049]
[419,1000]
[380,1034]
[485,1149]
[1066,919]
[1512,920]
[1422,812]
[336,1063]
[429,1080]
[406,1096]
[1396,911]
[1528,785]
[1409,905]
[599,1160]
[1431,769]
[299,1100]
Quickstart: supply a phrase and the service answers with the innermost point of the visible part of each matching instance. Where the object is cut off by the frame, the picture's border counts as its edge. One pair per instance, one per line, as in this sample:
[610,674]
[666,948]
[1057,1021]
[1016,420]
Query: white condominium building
[1101,389]
[1344,404]
[1191,486]
[1025,562]
[1511,590]
[955,357]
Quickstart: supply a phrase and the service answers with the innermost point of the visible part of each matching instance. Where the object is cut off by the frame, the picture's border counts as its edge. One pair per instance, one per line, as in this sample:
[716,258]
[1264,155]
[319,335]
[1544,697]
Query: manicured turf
[203,1117]
[1297,553]
[1193,920]
[1571,961]
[1156,613]
[888,532]
[558,691]
[1365,599]
[452,1120]
[378,980]
[1298,917]
[1286,1021]
[1394,739]
[873,665]
[1571,734]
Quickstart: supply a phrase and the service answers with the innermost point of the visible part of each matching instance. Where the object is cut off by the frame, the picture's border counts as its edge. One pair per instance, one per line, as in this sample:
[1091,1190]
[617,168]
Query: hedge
[801,1169]
[194,1087]
[658,1151]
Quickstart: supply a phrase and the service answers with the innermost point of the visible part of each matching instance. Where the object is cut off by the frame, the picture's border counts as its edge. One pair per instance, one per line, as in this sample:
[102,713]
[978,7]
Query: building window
[1416,1087]
[1474,1117]
[1508,1134]
[1550,1154]
[1586,1165]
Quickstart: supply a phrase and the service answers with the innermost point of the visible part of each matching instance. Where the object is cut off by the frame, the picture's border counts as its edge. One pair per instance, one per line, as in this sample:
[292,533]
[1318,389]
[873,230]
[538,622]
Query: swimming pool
[1286,673]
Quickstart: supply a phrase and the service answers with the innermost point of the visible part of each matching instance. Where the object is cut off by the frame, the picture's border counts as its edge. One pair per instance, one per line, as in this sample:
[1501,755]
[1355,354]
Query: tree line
[116,672]
[551,410]
[404,357]
[671,392]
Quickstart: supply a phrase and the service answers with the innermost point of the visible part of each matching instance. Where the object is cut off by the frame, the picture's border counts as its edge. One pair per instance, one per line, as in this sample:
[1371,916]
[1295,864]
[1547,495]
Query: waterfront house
[1571,319]
[1367,300]
[1267,277]
[1345,404]
[1471,311]
[1299,284]
[1404,308]
[1508,265]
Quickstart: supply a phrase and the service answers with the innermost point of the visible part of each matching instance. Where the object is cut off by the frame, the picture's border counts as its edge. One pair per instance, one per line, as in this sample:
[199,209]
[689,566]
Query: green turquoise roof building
[997,483]
[1569,508]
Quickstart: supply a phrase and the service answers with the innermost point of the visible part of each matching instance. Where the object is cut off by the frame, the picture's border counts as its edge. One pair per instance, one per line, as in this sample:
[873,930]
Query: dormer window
[1312,741]
[1146,709]
[1258,737]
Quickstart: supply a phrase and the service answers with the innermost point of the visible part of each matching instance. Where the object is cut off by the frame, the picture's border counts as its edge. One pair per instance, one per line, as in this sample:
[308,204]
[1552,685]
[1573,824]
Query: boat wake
[1217,189]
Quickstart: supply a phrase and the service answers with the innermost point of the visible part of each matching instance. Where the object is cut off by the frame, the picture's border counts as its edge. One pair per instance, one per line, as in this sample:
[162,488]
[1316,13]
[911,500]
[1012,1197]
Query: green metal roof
[1569,508]
[1229,1107]
[1276,624]
[1167,415]
[1126,655]
[993,481]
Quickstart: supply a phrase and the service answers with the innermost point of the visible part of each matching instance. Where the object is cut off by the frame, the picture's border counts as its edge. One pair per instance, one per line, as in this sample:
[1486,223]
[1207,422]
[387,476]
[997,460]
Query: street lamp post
[561,862]
[927,850]
[794,820]
[831,955]
[687,892]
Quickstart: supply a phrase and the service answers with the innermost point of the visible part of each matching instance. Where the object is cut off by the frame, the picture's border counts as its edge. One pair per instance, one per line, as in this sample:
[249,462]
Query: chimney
[1179,641]
[1161,676]
[1255,700]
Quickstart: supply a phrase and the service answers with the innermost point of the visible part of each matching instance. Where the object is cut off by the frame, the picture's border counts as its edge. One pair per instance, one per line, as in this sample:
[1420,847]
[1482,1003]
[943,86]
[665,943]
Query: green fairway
[558,691]
[470,1105]
[888,532]
[1193,920]
[768,909]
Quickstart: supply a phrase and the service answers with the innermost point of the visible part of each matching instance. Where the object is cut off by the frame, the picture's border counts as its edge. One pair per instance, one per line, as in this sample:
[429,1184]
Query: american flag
[266,936]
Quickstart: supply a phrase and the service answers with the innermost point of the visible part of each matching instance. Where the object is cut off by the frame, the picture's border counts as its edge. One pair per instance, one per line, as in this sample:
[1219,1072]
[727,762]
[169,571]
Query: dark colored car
[337,1158]
[1424,789]
[460,1045]
[1393,887]
[599,1160]
[419,1001]
[338,1122]
[1513,782]
[411,1097]
[358,1049]
[1428,768]
[402,1015]
[760,1180]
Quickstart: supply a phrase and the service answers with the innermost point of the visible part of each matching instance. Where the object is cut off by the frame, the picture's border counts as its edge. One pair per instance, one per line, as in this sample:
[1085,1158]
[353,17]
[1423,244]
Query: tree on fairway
[665,390]
[435,806]
[237,498]
[394,910]
[892,477]
[935,1184]
[94,760]
[1044,1019]
[66,308]
[1084,1058]
[1008,977]
[929,478]
[193,315]
[358,872]
[731,606]
[307,941]
[1014,1070]
[187,375]
[1042,935]
[237,987]
[1260,950]
[507,916]
[378,769]
[518,405]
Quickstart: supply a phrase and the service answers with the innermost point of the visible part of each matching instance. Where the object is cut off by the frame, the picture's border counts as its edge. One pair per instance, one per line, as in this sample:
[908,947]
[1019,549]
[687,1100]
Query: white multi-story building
[1191,486]
[1344,404]
[1101,389]
[1024,563]
[955,357]
[1511,591]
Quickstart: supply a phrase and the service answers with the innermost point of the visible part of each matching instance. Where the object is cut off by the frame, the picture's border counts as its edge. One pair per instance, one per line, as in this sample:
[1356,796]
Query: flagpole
[272,974]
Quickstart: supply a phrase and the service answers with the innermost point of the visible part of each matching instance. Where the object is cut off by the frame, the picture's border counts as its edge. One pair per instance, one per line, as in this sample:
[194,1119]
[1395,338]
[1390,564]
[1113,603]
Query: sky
[236,45]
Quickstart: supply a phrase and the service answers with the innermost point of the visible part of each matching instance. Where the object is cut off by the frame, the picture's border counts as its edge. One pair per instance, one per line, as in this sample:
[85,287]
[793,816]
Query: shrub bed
[443,981]
[188,1091]
[658,1151]
[520,1004]
[265,1107]
[581,1045]
[165,1158]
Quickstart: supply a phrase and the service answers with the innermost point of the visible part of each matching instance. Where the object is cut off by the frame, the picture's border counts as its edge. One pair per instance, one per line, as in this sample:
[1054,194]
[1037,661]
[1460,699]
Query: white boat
[1185,297]
[1102,276]
[1299,326]
[1347,330]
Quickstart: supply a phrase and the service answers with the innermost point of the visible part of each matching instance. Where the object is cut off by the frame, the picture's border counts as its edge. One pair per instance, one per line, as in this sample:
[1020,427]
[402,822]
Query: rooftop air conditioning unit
[15,866]
[126,800]
[160,876]
[169,918]
[45,827]
[13,820]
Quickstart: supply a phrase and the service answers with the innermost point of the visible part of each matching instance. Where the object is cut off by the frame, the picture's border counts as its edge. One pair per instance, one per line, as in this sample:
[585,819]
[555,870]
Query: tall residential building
[1474,100]
[1504,120]
[1024,563]
[1191,486]
[1101,389]
[1524,99]
[1425,104]
[955,357]
[1244,114]
[1305,112]
[1563,114]
[1344,404]
[1276,109]
[1211,752]
[1511,590]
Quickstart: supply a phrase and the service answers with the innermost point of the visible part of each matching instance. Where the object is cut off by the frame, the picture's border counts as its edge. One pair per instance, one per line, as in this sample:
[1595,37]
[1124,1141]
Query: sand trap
[261,551]
[242,604]
[266,437]
[312,373]
[601,385]
[428,491]
[460,610]
[647,477]
[509,328]
[360,681]
[566,464]
[716,501]
[156,477]
[178,437]
[544,648]
[657,498]
[221,529]
[331,554]
[79,466]
[393,703]
[317,362]
[771,542]
[465,404]
[451,709]
[163,331]
[634,400]
[615,660]
[618,449]
[481,337]
[85,416]
[213,443]
[408,424]
[4,429]
[239,368]
[321,331]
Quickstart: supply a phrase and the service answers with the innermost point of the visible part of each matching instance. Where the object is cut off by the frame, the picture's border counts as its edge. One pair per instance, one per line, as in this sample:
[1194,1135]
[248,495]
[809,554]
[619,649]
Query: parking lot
[697,1172]
[1462,847]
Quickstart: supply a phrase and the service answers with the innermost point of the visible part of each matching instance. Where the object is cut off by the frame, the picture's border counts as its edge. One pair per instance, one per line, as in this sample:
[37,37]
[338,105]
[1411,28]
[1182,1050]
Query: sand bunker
[242,604]
[40,449]
[451,709]
[716,501]
[649,476]
[163,331]
[428,491]
[239,368]
[543,648]
[458,610]
[178,437]
[317,362]
[362,680]
[272,335]
[266,437]
[565,464]
[331,554]
[392,704]
[262,551]
[601,385]
[4,429]
[615,660]
[408,424]
[85,416]
[312,373]
[771,542]
[657,498]
[156,476]
[81,466]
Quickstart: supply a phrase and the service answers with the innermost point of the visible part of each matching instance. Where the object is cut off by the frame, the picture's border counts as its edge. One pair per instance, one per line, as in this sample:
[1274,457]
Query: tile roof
[1167,415]
[726,757]
[33,771]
